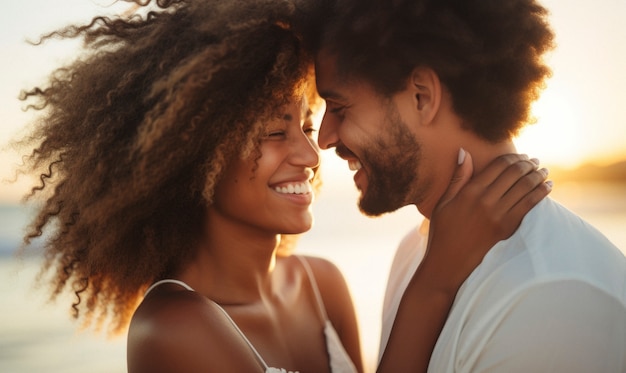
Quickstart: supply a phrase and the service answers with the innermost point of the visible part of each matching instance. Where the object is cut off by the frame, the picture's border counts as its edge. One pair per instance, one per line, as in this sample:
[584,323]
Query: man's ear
[426,88]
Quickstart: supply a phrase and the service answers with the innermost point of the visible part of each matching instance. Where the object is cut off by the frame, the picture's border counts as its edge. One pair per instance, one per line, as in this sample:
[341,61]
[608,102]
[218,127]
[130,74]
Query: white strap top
[340,361]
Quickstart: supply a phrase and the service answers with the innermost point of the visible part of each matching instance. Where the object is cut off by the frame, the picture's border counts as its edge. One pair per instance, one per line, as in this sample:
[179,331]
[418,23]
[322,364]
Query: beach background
[36,336]
[580,135]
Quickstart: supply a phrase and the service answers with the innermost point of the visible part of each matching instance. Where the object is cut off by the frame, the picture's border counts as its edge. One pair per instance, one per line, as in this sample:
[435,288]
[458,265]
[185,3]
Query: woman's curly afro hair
[134,134]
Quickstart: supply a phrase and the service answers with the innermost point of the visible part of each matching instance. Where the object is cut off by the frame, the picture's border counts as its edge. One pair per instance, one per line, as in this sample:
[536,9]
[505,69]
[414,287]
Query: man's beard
[391,167]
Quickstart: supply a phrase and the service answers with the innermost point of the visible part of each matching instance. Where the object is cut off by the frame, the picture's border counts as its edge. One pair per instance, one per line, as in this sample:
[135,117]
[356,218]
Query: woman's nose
[306,152]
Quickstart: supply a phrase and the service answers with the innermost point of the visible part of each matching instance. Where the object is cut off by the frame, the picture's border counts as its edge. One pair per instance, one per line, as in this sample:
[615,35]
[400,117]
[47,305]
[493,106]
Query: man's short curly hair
[133,137]
[487,53]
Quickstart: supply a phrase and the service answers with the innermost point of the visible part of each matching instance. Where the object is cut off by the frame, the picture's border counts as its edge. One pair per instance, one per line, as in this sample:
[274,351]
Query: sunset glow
[580,116]
[558,135]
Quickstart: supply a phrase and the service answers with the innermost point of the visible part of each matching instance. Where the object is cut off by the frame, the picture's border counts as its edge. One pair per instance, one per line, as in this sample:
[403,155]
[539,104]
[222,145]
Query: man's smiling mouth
[354,164]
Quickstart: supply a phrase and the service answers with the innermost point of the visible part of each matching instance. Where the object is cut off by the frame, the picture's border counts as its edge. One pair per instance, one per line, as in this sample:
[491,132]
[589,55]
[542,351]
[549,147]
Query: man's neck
[483,153]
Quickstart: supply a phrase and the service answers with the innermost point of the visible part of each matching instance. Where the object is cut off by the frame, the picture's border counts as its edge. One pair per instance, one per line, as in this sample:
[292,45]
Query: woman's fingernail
[461,158]
[535,161]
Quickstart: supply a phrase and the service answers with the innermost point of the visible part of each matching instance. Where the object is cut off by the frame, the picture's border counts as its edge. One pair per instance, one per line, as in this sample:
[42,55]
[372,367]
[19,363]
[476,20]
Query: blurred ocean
[36,336]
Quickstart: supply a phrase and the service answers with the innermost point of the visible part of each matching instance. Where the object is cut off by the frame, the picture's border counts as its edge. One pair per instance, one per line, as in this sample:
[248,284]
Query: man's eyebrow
[332,95]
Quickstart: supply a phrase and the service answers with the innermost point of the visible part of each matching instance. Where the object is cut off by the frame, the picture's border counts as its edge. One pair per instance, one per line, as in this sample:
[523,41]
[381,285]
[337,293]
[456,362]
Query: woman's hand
[473,215]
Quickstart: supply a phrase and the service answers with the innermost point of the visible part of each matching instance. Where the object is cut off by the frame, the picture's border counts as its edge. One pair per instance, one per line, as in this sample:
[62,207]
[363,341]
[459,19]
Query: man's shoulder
[552,245]
[551,227]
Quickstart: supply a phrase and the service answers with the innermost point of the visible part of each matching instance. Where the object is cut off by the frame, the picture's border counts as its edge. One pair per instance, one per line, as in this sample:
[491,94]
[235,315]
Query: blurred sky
[581,116]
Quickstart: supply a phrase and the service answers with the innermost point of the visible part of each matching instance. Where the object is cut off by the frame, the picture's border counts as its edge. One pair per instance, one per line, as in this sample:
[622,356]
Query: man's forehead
[325,66]
[329,84]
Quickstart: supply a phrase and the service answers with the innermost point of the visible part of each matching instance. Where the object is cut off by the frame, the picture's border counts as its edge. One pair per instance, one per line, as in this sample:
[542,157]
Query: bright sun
[557,136]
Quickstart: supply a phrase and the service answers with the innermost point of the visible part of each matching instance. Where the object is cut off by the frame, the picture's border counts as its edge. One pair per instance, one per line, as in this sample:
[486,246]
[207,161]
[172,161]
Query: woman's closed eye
[275,134]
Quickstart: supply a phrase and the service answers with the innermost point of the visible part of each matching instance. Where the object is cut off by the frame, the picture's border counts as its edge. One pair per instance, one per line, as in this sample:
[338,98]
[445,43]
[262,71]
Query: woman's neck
[232,266]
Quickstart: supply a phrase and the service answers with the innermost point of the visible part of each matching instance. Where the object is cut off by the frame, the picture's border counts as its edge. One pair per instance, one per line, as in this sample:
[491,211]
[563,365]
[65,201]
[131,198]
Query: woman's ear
[426,88]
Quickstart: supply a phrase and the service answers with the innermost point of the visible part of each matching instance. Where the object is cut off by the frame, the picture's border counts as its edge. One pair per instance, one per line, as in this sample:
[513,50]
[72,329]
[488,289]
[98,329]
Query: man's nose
[328,137]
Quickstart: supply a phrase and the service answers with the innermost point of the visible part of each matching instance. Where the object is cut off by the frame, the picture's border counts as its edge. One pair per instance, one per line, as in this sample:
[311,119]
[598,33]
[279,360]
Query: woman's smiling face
[273,192]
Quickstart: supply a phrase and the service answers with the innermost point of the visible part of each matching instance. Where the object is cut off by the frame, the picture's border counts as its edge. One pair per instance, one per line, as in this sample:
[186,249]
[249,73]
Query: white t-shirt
[551,298]
[408,256]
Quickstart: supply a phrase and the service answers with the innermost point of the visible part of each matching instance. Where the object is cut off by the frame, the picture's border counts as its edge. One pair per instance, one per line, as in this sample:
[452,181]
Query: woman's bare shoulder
[176,330]
[323,267]
[333,287]
[338,303]
[171,310]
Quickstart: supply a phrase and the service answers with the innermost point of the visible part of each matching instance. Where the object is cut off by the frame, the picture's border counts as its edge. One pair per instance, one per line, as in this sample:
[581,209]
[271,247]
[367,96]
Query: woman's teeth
[354,165]
[300,188]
